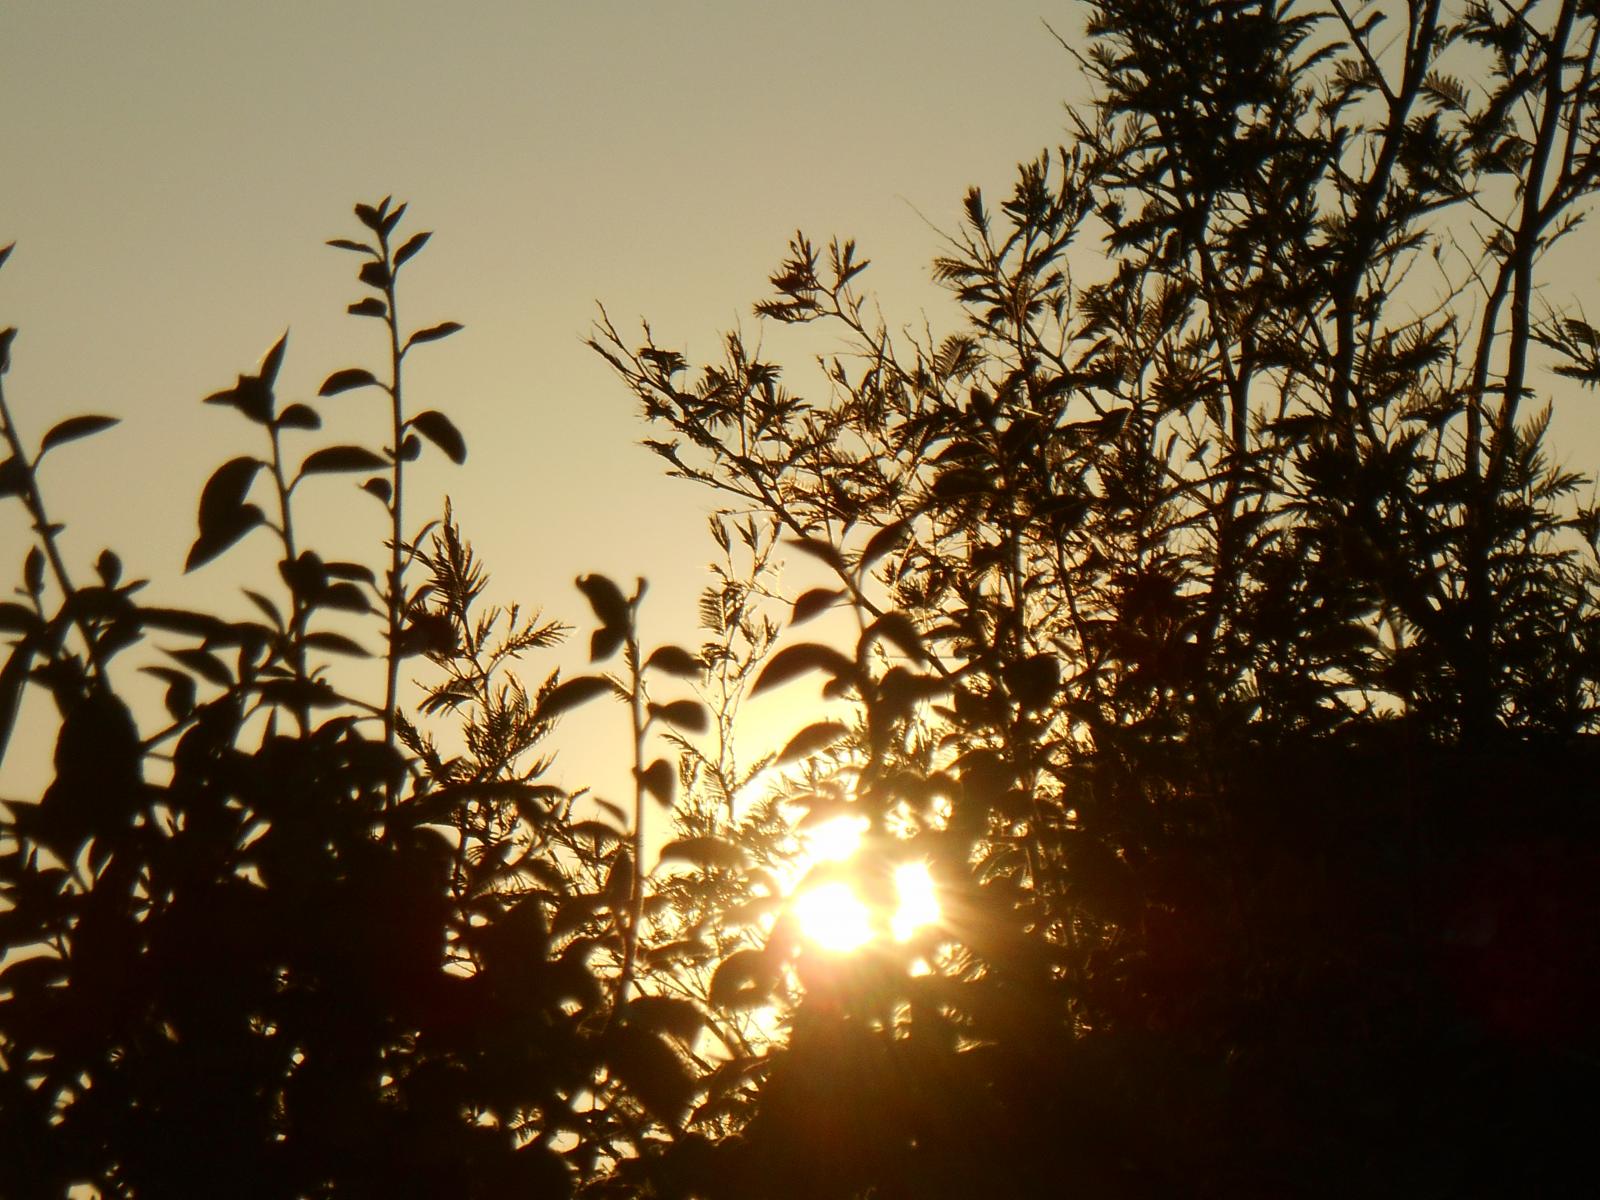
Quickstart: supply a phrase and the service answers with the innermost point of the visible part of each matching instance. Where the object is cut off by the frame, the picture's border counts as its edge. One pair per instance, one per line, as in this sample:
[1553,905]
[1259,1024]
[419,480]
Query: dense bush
[1226,651]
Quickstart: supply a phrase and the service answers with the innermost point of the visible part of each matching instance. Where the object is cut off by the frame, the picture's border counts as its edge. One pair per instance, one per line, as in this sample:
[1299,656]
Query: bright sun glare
[833,917]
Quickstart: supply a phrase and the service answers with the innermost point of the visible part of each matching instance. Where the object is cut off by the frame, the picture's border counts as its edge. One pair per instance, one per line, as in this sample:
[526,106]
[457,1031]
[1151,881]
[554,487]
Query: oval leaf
[340,458]
[73,428]
[660,780]
[565,697]
[794,661]
[299,416]
[742,980]
[688,715]
[432,334]
[704,852]
[675,660]
[605,597]
[409,250]
[882,542]
[814,737]
[441,431]
[815,602]
[347,380]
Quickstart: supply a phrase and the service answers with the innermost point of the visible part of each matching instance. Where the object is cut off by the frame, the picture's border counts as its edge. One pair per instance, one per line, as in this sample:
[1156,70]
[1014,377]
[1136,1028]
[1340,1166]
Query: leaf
[13,679]
[299,416]
[337,643]
[33,570]
[410,448]
[675,660]
[1033,681]
[109,567]
[347,244]
[180,695]
[416,242]
[204,664]
[820,549]
[898,629]
[340,458]
[5,252]
[744,979]
[379,487]
[273,361]
[570,694]
[224,493]
[370,307]
[441,431]
[13,478]
[217,539]
[432,334]
[7,336]
[605,597]
[794,661]
[71,429]
[815,602]
[369,217]
[668,1014]
[375,275]
[704,852]
[688,715]
[814,737]
[652,1070]
[882,542]
[605,641]
[660,781]
[18,618]
[347,380]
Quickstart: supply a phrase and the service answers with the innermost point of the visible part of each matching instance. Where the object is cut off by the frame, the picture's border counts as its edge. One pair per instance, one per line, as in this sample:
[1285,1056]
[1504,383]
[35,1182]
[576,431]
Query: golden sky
[169,171]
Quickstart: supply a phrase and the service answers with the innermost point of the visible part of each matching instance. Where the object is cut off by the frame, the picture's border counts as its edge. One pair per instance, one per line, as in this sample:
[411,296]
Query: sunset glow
[834,917]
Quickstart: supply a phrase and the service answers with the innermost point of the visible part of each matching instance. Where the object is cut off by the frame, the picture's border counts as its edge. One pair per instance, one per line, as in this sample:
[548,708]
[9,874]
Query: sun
[832,916]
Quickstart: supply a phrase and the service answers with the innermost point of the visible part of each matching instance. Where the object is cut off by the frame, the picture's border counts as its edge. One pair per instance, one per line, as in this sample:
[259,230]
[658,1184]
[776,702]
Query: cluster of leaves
[285,944]
[1223,613]
[1226,648]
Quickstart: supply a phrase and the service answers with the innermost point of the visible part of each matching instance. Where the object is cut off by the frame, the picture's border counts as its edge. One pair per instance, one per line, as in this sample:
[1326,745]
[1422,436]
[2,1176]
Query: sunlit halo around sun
[834,840]
[833,917]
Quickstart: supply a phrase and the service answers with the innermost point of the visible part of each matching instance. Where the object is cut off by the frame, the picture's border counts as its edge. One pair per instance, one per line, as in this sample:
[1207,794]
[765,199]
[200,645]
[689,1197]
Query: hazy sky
[169,172]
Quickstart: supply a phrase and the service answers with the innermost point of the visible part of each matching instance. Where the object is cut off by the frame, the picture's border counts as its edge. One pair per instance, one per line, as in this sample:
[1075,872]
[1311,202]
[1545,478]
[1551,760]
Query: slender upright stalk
[42,526]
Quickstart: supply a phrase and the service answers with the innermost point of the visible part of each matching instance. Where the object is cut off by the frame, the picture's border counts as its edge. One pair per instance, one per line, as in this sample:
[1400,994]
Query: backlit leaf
[814,737]
[73,428]
[704,852]
[688,715]
[794,661]
[814,602]
[340,458]
[433,333]
[415,243]
[675,660]
[346,380]
[441,431]
[570,694]
[660,780]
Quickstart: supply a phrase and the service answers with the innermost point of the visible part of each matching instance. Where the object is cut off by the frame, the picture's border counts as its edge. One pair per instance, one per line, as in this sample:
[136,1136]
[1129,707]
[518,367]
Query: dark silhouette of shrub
[1225,652]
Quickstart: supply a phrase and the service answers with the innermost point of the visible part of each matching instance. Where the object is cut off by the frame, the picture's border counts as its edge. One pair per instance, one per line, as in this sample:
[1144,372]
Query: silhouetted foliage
[1223,648]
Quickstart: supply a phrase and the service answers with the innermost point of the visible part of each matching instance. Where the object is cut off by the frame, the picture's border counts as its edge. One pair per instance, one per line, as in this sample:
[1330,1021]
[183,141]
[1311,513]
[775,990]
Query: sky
[170,170]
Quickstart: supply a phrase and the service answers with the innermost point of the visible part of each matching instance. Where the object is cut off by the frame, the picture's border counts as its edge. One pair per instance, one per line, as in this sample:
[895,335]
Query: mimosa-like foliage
[1223,661]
